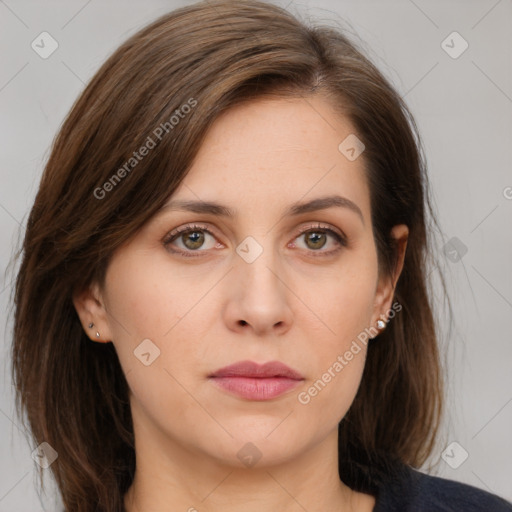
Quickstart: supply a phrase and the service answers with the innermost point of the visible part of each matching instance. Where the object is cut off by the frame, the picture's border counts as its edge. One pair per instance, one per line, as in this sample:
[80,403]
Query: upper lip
[255,370]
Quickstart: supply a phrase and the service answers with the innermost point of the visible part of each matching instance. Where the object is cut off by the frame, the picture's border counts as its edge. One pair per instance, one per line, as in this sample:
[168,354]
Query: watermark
[249,249]
[150,143]
[44,455]
[249,454]
[351,147]
[455,249]
[454,455]
[44,45]
[146,352]
[454,45]
[304,397]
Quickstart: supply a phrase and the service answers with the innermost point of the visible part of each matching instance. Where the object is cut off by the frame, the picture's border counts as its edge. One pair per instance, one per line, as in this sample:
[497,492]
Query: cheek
[150,300]
[145,299]
[344,304]
[328,395]
[337,362]
[139,308]
[341,301]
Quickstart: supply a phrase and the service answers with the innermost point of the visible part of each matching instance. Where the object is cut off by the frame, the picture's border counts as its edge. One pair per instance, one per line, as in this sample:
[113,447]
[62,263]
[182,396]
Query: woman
[222,300]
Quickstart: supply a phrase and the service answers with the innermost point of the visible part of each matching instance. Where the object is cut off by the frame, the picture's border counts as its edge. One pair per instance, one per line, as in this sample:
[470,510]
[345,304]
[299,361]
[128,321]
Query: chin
[262,447]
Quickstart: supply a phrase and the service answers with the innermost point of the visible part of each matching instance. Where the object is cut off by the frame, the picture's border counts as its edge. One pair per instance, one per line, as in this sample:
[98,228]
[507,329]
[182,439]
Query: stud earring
[91,325]
[380,324]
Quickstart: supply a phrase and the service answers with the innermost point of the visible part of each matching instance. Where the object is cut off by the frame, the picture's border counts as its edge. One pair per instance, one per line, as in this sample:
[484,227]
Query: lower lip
[256,388]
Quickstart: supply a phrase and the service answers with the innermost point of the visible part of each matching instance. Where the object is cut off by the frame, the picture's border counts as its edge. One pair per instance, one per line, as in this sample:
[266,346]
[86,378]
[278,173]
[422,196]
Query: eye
[192,238]
[316,237]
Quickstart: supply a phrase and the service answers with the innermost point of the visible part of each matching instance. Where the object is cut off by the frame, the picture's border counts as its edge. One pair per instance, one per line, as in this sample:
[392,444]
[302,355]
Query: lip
[253,381]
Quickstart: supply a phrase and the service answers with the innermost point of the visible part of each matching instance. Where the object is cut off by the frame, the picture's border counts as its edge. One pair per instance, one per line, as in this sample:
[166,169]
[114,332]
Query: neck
[175,478]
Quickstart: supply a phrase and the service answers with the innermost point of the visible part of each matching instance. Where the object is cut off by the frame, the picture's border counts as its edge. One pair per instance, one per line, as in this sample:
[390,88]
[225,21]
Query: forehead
[270,153]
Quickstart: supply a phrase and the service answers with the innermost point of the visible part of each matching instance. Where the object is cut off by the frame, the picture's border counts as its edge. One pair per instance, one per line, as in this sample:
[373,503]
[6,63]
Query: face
[206,290]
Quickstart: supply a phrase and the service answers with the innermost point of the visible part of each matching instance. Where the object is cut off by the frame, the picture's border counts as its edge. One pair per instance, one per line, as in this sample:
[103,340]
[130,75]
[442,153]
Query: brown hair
[211,56]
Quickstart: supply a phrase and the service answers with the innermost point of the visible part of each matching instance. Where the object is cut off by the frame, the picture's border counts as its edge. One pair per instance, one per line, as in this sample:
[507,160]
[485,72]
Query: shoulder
[410,490]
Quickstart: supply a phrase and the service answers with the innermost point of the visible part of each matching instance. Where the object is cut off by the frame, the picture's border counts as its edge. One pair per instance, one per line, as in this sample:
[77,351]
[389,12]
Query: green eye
[192,237]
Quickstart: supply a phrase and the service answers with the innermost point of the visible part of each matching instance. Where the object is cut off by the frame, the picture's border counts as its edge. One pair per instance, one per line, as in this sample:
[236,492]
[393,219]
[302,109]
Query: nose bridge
[258,262]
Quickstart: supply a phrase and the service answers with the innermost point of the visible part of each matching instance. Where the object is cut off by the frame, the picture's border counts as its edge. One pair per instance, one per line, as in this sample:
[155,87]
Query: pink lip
[257,382]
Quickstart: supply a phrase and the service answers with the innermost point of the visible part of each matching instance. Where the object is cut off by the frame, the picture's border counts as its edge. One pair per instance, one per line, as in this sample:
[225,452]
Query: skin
[209,311]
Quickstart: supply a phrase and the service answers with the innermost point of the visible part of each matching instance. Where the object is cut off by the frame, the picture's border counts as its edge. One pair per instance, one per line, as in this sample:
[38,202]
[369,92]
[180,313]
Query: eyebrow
[212,208]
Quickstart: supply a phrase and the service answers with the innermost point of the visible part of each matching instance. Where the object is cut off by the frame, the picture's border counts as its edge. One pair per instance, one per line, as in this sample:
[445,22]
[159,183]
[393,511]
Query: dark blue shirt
[409,490]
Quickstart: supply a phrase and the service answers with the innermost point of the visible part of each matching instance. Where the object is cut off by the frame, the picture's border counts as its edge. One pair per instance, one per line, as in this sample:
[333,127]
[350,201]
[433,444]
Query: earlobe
[92,313]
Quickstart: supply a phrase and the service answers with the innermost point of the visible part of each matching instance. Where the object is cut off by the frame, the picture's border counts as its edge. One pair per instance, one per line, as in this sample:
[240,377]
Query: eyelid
[339,236]
[185,228]
[321,226]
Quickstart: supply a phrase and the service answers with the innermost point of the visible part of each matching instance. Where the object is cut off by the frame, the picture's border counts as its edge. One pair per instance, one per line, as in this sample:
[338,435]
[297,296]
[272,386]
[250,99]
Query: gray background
[463,107]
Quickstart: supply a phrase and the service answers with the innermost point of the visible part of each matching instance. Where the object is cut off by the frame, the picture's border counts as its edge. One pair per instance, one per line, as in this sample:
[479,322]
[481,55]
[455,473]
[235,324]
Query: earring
[91,325]
[380,324]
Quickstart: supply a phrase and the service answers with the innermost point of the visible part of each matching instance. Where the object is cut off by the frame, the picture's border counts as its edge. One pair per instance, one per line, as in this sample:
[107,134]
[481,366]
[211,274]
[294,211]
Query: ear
[90,307]
[386,284]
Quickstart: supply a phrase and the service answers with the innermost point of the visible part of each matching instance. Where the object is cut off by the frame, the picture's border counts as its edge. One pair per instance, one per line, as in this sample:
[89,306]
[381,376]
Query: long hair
[193,64]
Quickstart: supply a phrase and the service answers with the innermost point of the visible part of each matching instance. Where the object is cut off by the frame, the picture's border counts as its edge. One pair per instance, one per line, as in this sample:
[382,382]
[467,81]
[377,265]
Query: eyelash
[190,228]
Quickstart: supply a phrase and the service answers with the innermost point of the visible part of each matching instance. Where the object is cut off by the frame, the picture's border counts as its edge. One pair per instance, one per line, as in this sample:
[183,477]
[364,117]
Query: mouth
[252,381]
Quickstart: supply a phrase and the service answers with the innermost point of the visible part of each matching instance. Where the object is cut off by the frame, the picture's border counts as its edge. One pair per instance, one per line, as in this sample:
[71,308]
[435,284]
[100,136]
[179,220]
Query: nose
[259,297]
